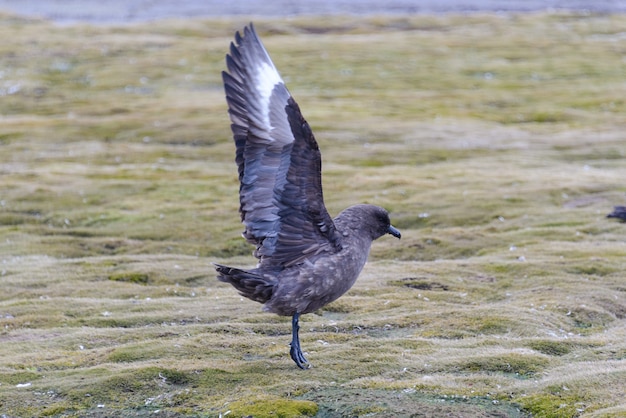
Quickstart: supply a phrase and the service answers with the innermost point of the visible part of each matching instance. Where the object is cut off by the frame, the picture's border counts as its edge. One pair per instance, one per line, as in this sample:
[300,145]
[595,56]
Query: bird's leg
[296,351]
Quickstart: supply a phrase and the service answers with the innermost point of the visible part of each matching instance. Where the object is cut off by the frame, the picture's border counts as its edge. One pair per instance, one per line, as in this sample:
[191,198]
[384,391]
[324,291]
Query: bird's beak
[393,231]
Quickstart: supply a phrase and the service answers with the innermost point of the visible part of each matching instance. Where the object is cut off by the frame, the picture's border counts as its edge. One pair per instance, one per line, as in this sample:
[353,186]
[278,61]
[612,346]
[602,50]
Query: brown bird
[306,258]
[619,212]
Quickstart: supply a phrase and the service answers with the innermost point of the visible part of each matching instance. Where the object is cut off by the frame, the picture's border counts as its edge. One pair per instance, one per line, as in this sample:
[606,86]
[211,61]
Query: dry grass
[495,140]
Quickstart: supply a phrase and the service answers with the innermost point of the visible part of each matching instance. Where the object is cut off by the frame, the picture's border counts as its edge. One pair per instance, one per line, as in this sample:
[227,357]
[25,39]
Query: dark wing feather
[279,162]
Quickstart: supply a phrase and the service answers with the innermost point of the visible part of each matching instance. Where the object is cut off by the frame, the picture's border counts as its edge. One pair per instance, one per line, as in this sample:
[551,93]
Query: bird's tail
[251,285]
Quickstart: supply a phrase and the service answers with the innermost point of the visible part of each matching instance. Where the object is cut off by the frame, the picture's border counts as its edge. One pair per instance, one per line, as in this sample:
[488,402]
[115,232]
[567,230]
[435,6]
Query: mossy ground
[496,141]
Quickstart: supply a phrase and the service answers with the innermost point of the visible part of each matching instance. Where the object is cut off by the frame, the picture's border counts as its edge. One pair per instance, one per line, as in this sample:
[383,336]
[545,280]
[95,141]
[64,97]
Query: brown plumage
[306,258]
[619,212]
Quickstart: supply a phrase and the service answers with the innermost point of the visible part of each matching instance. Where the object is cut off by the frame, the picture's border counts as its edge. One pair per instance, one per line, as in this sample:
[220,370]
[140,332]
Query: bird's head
[373,219]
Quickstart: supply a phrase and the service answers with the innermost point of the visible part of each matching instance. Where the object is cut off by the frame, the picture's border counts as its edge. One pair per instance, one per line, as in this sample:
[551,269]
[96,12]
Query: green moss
[8,137]
[339,307]
[59,409]
[12,218]
[19,377]
[590,320]
[131,383]
[127,383]
[430,248]
[175,377]
[129,354]
[517,364]
[273,407]
[551,348]
[220,381]
[552,406]
[492,326]
[232,248]
[545,117]
[592,269]
[455,325]
[130,277]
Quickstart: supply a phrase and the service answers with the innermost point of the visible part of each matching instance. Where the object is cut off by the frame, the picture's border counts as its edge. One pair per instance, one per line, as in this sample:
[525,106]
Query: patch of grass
[19,378]
[378,402]
[516,364]
[590,319]
[273,407]
[551,348]
[462,325]
[232,248]
[553,406]
[130,277]
[592,269]
[59,408]
[130,354]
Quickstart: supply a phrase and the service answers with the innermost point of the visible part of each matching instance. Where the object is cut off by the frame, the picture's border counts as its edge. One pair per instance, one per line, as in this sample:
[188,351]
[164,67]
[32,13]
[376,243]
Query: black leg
[296,351]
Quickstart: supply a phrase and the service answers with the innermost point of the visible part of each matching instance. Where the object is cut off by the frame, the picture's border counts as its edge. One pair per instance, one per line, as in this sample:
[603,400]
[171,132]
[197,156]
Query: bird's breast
[317,281]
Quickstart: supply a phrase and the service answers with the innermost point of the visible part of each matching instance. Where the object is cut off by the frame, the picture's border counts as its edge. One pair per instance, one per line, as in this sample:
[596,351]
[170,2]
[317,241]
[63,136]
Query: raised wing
[282,205]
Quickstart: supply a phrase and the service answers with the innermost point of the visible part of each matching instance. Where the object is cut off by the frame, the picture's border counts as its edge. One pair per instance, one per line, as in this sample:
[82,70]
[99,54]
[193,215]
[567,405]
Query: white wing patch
[267,78]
